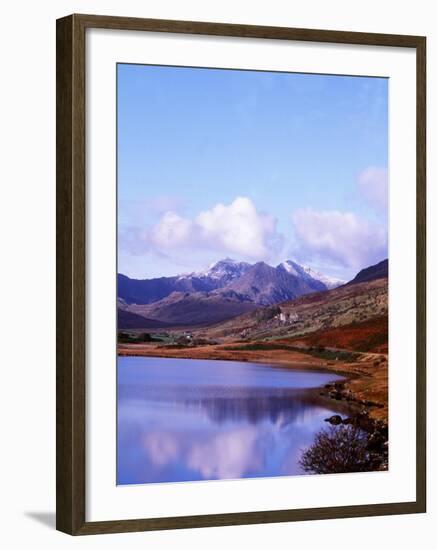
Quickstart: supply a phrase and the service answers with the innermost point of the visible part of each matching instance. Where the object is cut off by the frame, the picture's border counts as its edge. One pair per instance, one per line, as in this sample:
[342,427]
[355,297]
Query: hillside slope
[127,319]
[367,336]
[193,309]
[377,271]
[314,312]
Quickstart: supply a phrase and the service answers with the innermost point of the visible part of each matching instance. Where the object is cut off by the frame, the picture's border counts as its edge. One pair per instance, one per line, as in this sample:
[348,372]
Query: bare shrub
[338,449]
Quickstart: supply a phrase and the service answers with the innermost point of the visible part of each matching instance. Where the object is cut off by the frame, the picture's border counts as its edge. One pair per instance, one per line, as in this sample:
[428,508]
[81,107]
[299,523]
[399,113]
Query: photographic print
[252,274]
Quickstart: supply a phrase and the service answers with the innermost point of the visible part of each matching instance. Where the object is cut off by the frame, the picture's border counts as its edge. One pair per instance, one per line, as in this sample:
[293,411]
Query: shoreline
[365,384]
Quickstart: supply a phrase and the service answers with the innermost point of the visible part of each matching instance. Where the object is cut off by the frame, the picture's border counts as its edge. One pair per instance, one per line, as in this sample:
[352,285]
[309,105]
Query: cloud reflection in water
[185,431]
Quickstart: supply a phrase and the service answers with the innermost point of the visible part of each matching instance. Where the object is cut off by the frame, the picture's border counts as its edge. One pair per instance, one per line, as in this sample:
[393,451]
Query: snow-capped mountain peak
[292,267]
[226,271]
[305,272]
[223,271]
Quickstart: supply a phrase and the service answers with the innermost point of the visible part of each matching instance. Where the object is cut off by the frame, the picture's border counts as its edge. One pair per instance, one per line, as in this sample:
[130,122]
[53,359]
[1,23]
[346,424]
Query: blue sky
[257,166]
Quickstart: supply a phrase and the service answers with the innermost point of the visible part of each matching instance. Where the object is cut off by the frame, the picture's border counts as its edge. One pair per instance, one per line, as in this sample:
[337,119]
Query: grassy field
[319,352]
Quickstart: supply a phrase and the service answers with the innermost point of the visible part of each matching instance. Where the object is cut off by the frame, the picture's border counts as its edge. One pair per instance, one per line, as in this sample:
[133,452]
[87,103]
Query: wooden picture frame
[71,258]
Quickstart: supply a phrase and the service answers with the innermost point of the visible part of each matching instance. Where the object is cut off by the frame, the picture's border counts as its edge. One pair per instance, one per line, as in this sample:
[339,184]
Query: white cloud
[341,238]
[172,230]
[226,456]
[373,185]
[161,447]
[236,228]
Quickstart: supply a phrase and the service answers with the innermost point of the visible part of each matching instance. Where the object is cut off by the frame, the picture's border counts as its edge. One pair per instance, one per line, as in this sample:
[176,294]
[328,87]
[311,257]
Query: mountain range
[228,288]
[289,278]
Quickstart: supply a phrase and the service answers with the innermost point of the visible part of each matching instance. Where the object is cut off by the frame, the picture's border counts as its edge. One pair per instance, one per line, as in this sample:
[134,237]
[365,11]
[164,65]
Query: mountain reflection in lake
[186,420]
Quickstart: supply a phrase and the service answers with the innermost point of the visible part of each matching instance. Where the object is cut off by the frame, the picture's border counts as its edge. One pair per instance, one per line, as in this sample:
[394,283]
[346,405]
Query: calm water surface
[185,420]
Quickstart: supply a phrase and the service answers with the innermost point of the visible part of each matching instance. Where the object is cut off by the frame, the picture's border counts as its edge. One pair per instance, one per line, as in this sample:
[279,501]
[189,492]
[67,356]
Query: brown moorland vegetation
[368,336]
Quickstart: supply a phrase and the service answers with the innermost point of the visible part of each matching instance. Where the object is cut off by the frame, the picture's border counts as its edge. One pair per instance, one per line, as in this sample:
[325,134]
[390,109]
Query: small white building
[287,318]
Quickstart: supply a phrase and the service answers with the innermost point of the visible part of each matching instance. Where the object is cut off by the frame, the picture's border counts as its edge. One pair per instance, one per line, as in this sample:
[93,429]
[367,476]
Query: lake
[186,419]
